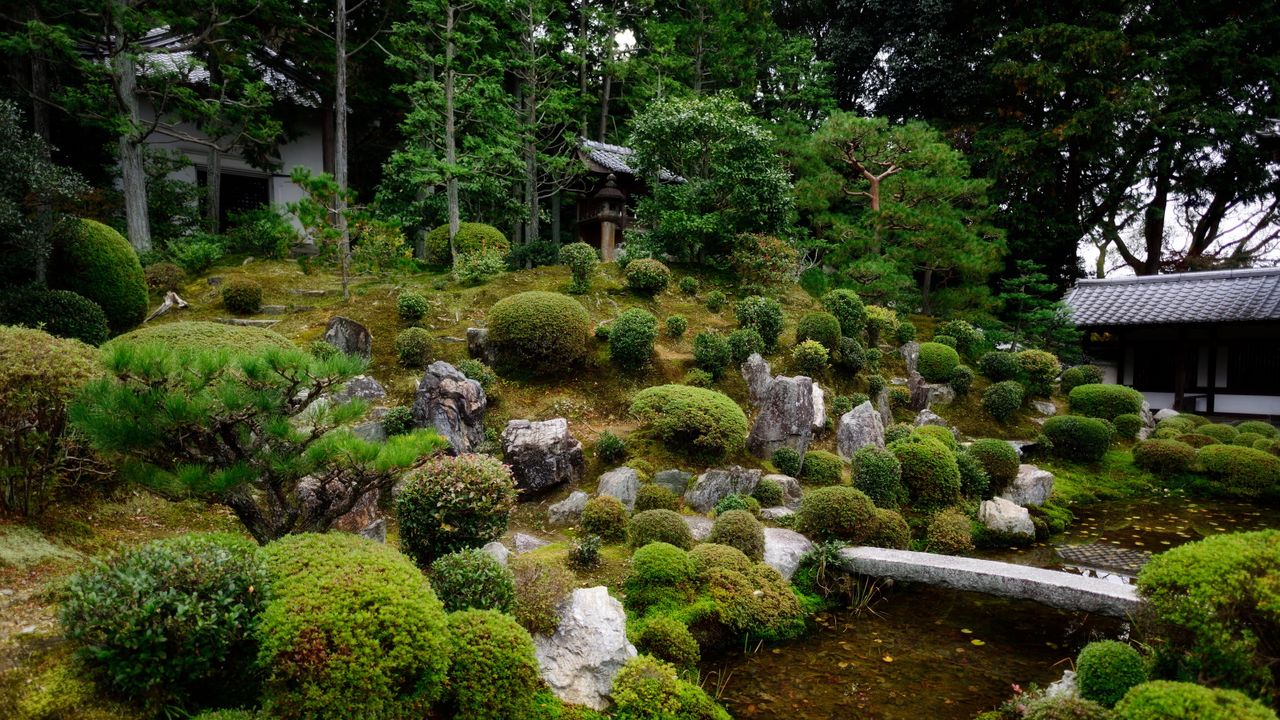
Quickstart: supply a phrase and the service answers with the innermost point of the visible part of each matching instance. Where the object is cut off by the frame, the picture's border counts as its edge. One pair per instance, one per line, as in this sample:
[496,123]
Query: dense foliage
[696,420]
[98,263]
[1083,439]
[453,503]
[539,332]
[1106,669]
[472,579]
[493,673]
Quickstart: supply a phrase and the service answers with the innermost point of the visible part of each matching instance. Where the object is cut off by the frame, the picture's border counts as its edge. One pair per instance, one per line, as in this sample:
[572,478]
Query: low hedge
[1169,700]
[937,362]
[472,237]
[1240,471]
[1221,432]
[57,312]
[704,421]
[100,264]
[1104,401]
[1082,439]
[242,296]
[539,332]
[1127,425]
[201,335]
[1163,457]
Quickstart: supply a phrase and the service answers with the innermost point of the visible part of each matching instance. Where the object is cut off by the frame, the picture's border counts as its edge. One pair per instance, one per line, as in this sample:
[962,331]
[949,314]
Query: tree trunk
[531,170]
[926,284]
[340,145]
[555,217]
[451,132]
[606,87]
[213,190]
[1153,216]
[133,176]
[40,125]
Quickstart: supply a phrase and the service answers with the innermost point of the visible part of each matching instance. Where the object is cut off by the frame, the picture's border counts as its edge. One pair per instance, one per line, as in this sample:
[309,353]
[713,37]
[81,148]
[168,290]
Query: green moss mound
[1240,471]
[891,531]
[836,513]
[1104,401]
[1265,429]
[822,328]
[739,529]
[1082,439]
[98,263]
[1221,432]
[937,361]
[201,335]
[821,468]
[659,526]
[57,312]
[1063,707]
[661,574]
[1003,399]
[1127,425]
[878,473]
[998,458]
[950,532]
[1106,669]
[1164,457]
[704,421]
[606,517]
[669,640]
[494,672]
[1167,700]
[652,496]
[929,472]
[471,237]
[647,688]
[539,332]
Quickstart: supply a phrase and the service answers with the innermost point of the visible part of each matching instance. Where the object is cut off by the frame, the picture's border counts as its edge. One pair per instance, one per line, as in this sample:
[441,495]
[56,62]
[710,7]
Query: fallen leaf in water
[888,658]
[966,631]
[977,642]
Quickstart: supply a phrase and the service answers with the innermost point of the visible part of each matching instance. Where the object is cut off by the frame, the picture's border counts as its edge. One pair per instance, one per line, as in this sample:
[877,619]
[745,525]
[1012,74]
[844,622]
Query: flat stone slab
[245,322]
[1066,591]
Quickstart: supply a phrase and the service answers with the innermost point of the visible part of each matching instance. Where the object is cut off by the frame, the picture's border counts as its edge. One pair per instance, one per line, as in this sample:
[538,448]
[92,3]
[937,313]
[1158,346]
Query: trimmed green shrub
[891,531]
[851,356]
[757,602]
[716,301]
[541,332]
[734,501]
[882,323]
[1247,439]
[743,343]
[1062,707]
[1003,399]
[478,371]
[652,496]
[697,377]
[201,335]
[974,482]
[1106,669]
[471,238]
[821,468]
[820,327]
[837,512]
[353,629]
[692,419]
[606,517]
[473,579]
[1163,457]
[1240,471]
[899,397]
[242,297]
[647,688]
[663,526]
[689,285]
[939,433]
[788,461]
[631,339]
[494,672]
[453,503]
[677,325]
[1083,439]
[1127,425]
[929,472]
[1104,401]
[1039,369]
[739,529]
[878,473]
[398,421]
[840,405]
[810,357]
[1195,440]
[610,448]
[411,306]
[1168,700]
[768,493]
[98,263]
[1074,377]
[906,331]
[661,574]
[762,314]
[944,340]
[849,311]
[968,338]
[950,532]
[875,383]
[163,277]
[171,622]
[961,380]
[581,259]
[706,556]
[711,352]
[896,432]
[647,276]
[1265,429]
[999,459]
[57,312]
[669,640]
[1219,431]
[413,347]
[998,366]
[541,587]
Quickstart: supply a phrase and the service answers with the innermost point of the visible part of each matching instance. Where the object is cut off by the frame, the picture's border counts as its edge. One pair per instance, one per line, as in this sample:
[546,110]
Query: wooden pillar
[1213,371]
[607,231]
[1180,370]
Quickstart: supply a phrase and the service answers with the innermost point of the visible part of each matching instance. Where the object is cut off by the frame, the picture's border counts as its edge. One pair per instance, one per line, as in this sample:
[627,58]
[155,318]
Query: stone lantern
[612,213]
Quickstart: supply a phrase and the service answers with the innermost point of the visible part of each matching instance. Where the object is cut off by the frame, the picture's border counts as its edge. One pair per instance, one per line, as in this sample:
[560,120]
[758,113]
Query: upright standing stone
[910,353]
[622,483]
[542,454]
[451,404]
[349,336]
[819,408]
[758,376]
[713,486]
[569,510]
[478,345]
[579,660]
[1032,486]
[860,427]
[785,419]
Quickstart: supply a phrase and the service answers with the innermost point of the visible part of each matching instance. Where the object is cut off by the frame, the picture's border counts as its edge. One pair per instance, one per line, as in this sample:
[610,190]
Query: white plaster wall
[1227,404]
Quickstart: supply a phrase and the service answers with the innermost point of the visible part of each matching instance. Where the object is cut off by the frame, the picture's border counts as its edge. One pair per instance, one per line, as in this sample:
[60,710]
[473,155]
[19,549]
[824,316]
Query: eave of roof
[1179,298]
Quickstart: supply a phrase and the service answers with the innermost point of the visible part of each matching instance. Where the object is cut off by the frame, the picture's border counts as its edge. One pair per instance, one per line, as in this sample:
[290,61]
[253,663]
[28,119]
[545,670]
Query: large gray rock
[1002,516]
[497,551]
[569,510]
[622,483]
[1165,414]
[1066,687]
[882,407]
[579,660]
[713,486]
[370,431]
[478,345]
[1148,420]
[819,408]
[929,417]
[783,549]
[910,353]
[785,419]
[542,454]
[919,391]
[790,488]
[677,481]
[758,376]
[936,394]
[776,513]
[1047,408]
[527,543]
[860,427]
[1033,486]
[362,387]
[699,526]
[349,336]
[451,404]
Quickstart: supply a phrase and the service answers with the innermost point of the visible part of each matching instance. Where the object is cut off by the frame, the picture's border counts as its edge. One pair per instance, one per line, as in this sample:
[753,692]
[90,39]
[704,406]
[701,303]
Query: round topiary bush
[652,496]
[493,674]
[998,366]
[810,358]
[1062,706]
[647,276]
[762,314]
[539,332]
[788,461]
[929,472]
[1106,669]
[411,306]
[98,263]
[1265,429]
[707,556]
[734,501]
[1003,399]
[1074,377]
[950,532]
[57,312]
[692,419]
[975,484]
[961,380]
[891,531]
[647,688]
[669,640]
[1083,439]
[712,352]
[605,516]
[906,331]
[581,259]
[739,529]
[743,343]
[1038,369]
[848,309]
[171,622]
[1247,439]
[878,473]
[896,432]
[1105,401]
[939,433]
[471,238]
[201,335]
[453,503]
[968,338]
[1127,425]
[1163,457]
[1169,700]
[822,328]
[660,572]
[353,629]
[677,326]
[663,526]
[937,362]
[821,468]
[1195,440]
[999,459]
[836,513]
[1221,432]
[413,347]
[716,300]
[882,323]
[631,339]
[473,579]
[689,285]
[163,277]
[852,355]
[768,493]
[241,296]
[1240,471]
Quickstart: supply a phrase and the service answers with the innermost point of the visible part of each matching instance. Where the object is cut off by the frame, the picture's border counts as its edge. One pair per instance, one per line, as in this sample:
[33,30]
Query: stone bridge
[1054,588]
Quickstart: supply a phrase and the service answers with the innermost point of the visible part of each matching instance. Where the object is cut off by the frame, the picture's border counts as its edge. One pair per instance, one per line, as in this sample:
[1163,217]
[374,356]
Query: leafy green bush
[906,331]
[788,461]
[1163,457]
[1247,439]
[57,312]
[493,673]
[584,554]
[172,621]
[652,496]
[631,339]
[197,254]
[1039,369]
[452,503]
[1061,707]
[891,531]
[689,285]
[716,301]
[1195,440]
[478,371]
[939,433]
[899,397]
[473,579]
[1075,376]
[413,347]
[849,311]
[663,526]
[471,238]
[711,352]
[929,472]
[743,343]
[760,260]
[475,268]
[882,323]
[821,468]
[875,383]
[975,484]
[1106,669]
[411,306]
[647,276]
[762,314]
[398,421]
[836,512]
[1221,432]
[968,338]
[961,380]
[768,493]
[810,358]
[944,340]
[1240,471]
[1083,439]
[697,377]
[822,328]
[669,640]
[263,232]
[647,688]
[164,277]
[677,325]
[1212,607]
[734,501]
[950,532]
[878,473]
[998,366]
[739,529]
[851,356]
[605,516]
[693,419]
[1166,700]
[999,459]
[1104,401]
[97,262]
[1265,429]
[200,335]
[541,332]
[610,448]
[1003,399]
[353,629]
[1127,425]
[242,297]
[541,587]
[706,556]
[581,259]
[661,574]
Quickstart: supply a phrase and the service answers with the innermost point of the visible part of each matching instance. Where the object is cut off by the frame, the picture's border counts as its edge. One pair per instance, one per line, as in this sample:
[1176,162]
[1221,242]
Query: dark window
[239,193]
[1254,369]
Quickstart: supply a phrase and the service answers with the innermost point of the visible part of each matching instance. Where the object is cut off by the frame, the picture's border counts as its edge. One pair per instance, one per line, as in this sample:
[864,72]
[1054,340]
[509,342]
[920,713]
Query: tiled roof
[1199,297]
[617,158]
